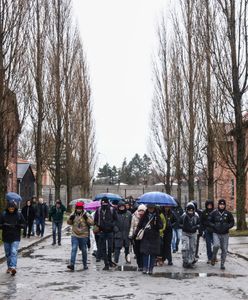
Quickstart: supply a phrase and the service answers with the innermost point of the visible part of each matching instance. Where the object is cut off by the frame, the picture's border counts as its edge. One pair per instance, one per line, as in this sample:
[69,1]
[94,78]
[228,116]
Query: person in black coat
[41,214]
[28,213]
[169,217]
[11,223]
[207,230]
[221,221]
[176,230]
[150,243]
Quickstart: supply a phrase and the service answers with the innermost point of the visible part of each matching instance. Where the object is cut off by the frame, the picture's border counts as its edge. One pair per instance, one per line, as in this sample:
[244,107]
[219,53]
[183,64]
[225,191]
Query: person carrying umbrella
[11,223]
[150,243]
[80,221]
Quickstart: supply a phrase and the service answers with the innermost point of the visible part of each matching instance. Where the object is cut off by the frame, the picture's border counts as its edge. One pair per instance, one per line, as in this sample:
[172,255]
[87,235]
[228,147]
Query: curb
[239,255]
[3,258]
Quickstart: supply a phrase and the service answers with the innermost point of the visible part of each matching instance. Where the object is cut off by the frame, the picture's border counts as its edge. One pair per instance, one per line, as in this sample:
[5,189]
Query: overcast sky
[119,38]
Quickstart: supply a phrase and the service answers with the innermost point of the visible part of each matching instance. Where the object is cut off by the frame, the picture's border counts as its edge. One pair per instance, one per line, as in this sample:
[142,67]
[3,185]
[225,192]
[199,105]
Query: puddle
[126,268]
[181,276]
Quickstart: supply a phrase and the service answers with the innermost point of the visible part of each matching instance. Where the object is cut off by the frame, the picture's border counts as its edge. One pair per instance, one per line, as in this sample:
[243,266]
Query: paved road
[42,274]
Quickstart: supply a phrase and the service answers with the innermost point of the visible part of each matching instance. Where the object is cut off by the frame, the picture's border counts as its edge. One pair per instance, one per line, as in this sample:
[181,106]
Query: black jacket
[150,244]
[105,218]
[221,221]
[122,228]
[28,213]
[189,224]
[11,224]
[176,212]
[41,210]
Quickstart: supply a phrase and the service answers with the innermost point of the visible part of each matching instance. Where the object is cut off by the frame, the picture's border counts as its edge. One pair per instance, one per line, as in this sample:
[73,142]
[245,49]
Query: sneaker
[213,261]
[85,268]
[128,260]
[8,270]
[170,263]
[13,271]
[71,267]
[150,273]
[106,268]
[59,244]
[53,244]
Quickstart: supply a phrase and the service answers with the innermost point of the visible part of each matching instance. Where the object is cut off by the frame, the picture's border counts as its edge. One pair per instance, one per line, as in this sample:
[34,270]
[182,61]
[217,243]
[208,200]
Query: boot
[71,267]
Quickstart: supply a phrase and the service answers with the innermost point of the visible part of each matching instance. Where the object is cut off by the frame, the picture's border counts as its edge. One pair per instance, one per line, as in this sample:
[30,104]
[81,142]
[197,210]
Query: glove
[85,216]
[72,217]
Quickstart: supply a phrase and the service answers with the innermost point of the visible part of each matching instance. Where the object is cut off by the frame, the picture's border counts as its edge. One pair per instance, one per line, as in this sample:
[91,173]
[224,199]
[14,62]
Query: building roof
[22,169]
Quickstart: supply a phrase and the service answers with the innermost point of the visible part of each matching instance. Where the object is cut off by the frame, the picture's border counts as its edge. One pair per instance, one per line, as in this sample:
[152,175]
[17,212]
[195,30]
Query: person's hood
[209,202]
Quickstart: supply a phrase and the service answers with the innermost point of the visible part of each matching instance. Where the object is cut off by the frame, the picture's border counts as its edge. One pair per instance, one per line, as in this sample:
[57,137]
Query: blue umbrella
[157,198]
[11,196]
[110,196]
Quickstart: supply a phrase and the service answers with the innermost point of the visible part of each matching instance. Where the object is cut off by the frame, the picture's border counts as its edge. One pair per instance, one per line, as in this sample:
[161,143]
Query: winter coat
[122,228]
[176,212]
[221,221]
[28,213]
[150,244]
[11,225]
[41,210]
[57,213]
[134,223]
[188,223]
[80,224]
[105,219]
[205,217]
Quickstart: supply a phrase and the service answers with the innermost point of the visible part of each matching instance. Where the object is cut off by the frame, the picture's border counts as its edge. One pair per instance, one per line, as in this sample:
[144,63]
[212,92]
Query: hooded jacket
[189,223]
[205,218]
[221,221]
[105,218]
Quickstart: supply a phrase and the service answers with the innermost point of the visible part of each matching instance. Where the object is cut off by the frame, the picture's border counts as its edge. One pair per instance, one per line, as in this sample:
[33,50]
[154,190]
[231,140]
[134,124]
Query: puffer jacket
[134,223]
[221,221]
[189,224]
[205,217]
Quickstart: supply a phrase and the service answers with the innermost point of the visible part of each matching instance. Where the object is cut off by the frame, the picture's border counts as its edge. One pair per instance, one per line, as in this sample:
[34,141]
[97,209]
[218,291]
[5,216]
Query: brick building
[224,179]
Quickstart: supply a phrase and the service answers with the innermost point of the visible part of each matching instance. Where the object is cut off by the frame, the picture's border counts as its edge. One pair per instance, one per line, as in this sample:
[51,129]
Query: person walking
[80,221]
[190,223]
[176,230]
[137,215]
[221,220]
[11,223]
[167,236]
[41,215]
[56,215]
[150,243]
[121,232]
[28,213]
[208,230]
[105,219]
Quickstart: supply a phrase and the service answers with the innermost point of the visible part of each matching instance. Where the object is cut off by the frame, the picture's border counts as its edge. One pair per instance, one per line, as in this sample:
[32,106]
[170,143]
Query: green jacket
[161,231]
[56,214]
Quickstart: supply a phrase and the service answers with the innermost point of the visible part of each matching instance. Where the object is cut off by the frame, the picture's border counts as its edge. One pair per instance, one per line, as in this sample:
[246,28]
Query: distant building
[25,179]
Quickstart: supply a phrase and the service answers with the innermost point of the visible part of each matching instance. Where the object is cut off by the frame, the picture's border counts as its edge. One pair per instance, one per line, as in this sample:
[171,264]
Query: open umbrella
[93,205]
[11,196]
[110,196]
[73,202]
[157,198]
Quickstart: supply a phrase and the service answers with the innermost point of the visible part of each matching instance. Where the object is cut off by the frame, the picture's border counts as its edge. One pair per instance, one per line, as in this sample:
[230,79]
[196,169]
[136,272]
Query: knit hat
[12,204]
[222,201]
[79,205]
[105,201]
[190,206]
[142,207]
[121,203]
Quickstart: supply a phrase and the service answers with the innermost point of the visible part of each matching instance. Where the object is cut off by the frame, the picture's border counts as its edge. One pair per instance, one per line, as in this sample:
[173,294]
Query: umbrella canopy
[11,196]
[73,202]
[157,198]
[110,196]
[93,205]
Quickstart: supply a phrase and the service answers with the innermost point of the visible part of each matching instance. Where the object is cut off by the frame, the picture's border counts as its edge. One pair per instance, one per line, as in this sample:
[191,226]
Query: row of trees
[43,62]
[200,85]
[136,171]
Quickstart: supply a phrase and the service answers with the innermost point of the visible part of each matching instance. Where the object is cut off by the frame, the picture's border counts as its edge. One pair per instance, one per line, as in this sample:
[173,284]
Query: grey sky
[119,37]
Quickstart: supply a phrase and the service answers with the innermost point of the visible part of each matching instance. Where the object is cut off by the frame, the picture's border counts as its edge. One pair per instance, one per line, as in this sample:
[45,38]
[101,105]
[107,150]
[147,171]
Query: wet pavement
[42,274]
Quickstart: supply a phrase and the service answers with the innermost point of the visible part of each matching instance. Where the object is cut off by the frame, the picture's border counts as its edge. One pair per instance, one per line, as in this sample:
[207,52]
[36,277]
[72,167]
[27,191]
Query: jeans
[176,236]
[148,262]
[57,225]
[188,247]
[106,246]
[40,226]
[11,251]
[82,243]
[118,251]
[209,243]
[220,241]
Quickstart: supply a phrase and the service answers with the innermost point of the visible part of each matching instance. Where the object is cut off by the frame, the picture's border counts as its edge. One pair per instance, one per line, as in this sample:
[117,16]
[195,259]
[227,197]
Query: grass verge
[234,232]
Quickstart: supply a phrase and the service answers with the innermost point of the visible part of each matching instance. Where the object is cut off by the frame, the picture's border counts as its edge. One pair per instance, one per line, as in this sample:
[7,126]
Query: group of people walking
[153,232]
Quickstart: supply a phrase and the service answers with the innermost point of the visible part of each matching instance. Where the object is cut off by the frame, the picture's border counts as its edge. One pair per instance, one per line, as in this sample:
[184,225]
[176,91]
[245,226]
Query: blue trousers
[11,251]
[82,244]
[209,243]
[148,262]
